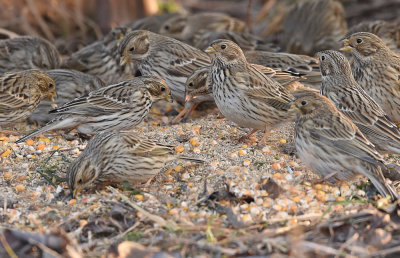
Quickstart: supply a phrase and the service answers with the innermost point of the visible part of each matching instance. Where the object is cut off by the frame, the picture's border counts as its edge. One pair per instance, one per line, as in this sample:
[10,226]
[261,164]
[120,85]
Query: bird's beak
[169,98]
[52,96]
[188,98]
[123,60]
[76,191]
[210,50]
[293,108]
[346,45]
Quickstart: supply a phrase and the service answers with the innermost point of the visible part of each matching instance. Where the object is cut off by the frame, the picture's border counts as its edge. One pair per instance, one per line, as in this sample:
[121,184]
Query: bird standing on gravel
[163,56]
[339,86]
[243,93]
[27,52]
[21,93]
[377,70]
[114,157]
[332,146]
[116,107]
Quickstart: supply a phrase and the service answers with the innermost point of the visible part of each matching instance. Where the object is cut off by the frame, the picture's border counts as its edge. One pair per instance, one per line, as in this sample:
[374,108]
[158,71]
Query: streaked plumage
[243,93]
[303,65]
[27,52]
[163,56]
[339,86]
[71,84]
[332,146]
[377,70]
[114,157]
[388,31]
[245,40]
[189,28]
[119,106]
[21,93]
[312,26]
[101,59]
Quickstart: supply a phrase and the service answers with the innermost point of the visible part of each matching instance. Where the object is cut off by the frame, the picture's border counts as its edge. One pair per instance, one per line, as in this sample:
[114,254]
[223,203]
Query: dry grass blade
[157,219]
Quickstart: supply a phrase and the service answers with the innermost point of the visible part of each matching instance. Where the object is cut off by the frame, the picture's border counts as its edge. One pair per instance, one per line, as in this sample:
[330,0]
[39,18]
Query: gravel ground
[243,200]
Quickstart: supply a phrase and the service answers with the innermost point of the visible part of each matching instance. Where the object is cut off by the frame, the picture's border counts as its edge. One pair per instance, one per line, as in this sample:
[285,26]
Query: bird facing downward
[376,69]
[243,93]
[116,107]
[332,146]
[166,57]
[339,86]
[114,157]
[21,93]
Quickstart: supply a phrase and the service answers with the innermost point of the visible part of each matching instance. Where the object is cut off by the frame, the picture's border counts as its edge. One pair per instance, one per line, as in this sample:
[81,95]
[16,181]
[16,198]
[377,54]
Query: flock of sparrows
[345,107]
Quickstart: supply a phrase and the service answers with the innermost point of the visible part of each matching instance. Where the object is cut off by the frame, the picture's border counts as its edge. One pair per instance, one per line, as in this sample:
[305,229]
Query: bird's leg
[247,136]
[325,179]
[181,114]
[190,111]
[266,135]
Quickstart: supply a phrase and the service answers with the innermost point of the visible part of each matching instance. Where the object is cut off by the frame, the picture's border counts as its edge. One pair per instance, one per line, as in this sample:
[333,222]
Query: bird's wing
[144,147]
[255,84]
[365,113]
[345,137]
[184,59]
[114,97]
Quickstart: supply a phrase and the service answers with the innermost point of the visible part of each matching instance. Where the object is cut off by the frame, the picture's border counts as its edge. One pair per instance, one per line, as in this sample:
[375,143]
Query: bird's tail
[379,181]
[191,159]
[56,123]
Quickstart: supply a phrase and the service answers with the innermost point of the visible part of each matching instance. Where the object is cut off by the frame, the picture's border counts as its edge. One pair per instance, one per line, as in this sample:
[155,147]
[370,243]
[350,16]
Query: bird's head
[308,103]
[197,84]
[333,63]
[46,84]
[226,51]
[363,44]
[157,87]
[134,46]
[81,173]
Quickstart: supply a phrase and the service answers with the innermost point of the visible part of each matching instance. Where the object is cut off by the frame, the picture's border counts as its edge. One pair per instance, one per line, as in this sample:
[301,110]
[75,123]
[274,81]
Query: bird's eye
[80,181]
[51,85]
[323,58]
[303,103]
[223,46]
[359,41]
[132,49]
[191,84]
[162,88]
[166,27]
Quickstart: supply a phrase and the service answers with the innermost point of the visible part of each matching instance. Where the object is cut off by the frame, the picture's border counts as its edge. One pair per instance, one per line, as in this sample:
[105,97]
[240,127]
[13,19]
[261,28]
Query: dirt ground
[243,200]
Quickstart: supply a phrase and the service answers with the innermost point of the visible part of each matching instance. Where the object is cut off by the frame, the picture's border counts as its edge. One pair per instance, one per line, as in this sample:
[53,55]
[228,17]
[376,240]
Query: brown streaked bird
[312,26]
[246,41]
[21,93]
[116,107]
[101,59]
[163,56]
[196,91]
[114,157]
[243,93]
[332,146]
[377,70]
[71,84]
[198,87]
[388,31]
[339,86]
[305,66]
[27,52]
[188,28]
